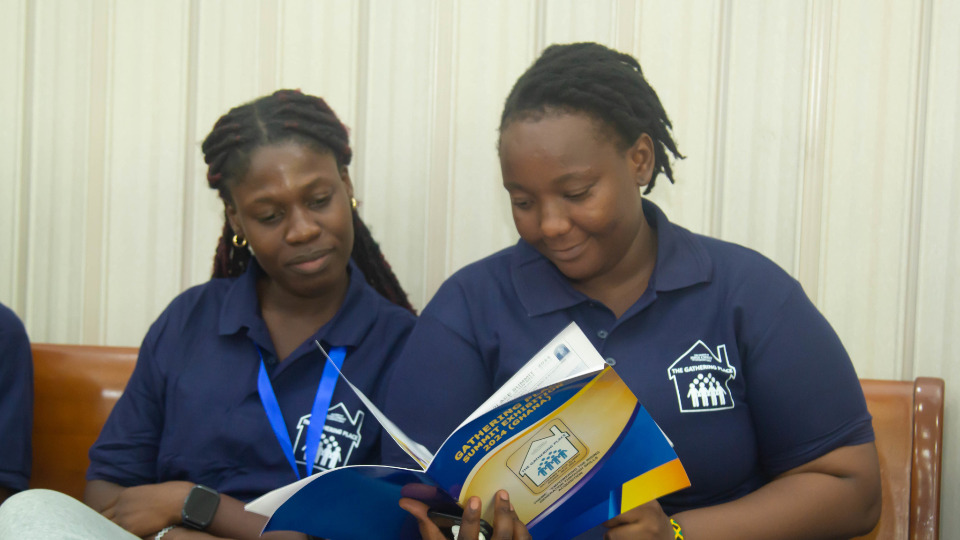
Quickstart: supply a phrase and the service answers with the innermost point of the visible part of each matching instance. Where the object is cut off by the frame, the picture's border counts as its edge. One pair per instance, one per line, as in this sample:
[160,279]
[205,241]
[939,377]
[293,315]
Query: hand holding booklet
[564,436]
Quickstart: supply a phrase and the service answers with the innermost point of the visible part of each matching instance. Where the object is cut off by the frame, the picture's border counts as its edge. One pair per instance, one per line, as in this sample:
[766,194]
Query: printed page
[568,355]
[415,450]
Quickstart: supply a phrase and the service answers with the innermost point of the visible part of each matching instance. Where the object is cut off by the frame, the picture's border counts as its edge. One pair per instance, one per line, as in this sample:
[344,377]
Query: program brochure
[564,436]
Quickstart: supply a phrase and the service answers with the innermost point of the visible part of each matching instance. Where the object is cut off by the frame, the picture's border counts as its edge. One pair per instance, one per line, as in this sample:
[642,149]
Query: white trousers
[43,514]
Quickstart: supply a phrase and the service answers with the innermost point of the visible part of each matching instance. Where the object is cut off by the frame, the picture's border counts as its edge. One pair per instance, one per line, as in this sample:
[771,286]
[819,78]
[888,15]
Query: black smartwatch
[200,507]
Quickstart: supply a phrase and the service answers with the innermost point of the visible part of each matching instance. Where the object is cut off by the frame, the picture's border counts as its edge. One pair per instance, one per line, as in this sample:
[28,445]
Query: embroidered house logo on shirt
[341,435]
[702,379]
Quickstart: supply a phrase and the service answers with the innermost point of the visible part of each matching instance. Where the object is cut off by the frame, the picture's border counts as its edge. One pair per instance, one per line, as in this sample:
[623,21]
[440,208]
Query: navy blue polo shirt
[191,410]
[16,401]
[724,349]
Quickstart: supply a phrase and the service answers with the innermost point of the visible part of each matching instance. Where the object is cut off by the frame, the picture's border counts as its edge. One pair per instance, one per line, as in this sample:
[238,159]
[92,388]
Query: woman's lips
[567,254]
[310,263]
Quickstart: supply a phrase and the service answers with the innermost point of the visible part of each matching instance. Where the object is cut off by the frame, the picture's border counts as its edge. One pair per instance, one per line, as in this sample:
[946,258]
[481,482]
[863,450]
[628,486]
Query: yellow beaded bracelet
[677,533]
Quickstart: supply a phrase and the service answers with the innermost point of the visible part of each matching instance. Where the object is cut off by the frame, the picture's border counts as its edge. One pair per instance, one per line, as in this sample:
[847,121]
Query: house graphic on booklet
[545,456]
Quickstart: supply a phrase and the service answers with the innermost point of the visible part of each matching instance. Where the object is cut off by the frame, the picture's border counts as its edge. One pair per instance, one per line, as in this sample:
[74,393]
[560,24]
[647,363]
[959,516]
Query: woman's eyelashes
[272,217]
[520,204]
[319,201]
[577,194]
[316,202]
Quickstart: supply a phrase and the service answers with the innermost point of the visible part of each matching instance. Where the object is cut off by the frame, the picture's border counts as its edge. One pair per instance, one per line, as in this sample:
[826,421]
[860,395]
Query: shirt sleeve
[804,395]
[126,451]
[16,406]
[438,380]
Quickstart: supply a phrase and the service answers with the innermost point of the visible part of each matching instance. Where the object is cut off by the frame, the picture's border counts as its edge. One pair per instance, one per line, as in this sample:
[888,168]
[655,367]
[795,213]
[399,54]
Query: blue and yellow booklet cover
[565,437]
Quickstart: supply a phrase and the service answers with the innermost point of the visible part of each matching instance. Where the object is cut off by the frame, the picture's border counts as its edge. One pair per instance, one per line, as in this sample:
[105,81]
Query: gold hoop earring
[353,203]
[239,241]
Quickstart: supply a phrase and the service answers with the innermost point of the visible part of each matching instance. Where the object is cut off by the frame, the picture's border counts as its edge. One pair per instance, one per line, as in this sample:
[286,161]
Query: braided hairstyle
[608,85]
[286,115]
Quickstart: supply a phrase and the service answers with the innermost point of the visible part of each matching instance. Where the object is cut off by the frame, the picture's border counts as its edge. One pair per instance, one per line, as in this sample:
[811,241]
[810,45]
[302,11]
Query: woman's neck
[624,284]
[292,319]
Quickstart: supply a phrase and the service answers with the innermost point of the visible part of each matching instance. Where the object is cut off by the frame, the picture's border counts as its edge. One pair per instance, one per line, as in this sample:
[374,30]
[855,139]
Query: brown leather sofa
[908,423]
[76,387]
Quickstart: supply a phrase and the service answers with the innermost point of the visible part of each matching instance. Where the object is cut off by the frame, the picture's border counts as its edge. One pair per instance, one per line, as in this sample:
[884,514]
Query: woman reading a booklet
[724,349]
[231,394]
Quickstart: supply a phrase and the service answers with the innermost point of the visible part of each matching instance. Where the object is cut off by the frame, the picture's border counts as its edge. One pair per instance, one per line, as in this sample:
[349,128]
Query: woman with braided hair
[769,421]
[231,397]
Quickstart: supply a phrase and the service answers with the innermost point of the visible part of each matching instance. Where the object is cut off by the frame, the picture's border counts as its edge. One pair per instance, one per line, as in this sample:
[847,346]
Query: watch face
[200,507]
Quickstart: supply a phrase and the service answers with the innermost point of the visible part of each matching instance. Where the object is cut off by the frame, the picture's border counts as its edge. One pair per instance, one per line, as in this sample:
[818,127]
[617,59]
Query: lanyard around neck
[318,413]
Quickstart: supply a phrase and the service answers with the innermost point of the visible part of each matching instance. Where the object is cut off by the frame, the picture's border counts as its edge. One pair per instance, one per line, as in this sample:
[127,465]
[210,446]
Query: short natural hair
[604,83]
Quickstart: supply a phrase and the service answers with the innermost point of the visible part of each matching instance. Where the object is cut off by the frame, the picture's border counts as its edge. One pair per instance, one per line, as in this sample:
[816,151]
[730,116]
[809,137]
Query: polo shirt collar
[682,261]
[541,287]
[241,311]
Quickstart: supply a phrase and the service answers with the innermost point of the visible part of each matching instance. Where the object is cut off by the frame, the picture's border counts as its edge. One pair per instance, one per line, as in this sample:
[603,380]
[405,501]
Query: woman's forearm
[835,496]
[5,493]
[165,502]
[99,494]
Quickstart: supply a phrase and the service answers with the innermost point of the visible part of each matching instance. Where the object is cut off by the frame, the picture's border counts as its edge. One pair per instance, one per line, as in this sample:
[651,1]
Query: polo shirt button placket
[602,334]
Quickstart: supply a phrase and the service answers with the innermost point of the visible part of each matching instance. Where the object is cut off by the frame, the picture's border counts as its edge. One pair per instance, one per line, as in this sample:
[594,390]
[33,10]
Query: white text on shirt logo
[702,379]
[340,437]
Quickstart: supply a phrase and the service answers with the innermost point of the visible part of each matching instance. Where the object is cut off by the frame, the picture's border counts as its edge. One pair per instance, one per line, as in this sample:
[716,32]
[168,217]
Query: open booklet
[564,436]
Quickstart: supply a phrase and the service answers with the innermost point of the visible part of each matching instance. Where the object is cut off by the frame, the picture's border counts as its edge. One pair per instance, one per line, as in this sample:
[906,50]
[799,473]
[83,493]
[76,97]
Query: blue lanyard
[318,414]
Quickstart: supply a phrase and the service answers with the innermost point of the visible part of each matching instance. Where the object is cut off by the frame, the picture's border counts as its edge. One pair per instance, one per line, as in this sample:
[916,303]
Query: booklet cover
[564,436]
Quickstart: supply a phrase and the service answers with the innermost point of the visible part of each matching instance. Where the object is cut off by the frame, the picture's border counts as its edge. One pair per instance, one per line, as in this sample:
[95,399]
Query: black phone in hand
[449,525]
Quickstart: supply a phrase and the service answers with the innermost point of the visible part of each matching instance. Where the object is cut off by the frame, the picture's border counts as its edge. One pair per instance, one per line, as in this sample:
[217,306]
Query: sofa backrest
[75,388]
[908,424]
